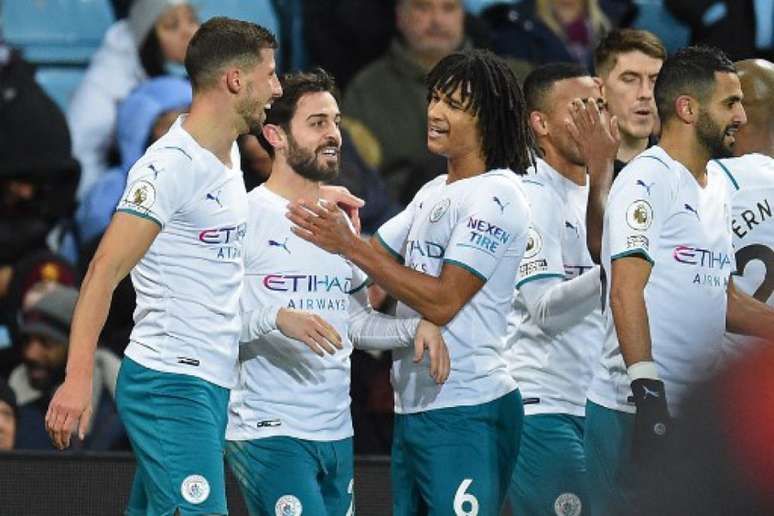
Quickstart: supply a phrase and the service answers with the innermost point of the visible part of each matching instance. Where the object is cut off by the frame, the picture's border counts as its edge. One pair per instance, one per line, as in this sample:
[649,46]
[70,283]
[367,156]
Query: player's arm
[746,315]
[438,299]
[126,240]
[371,330]
[598,138]
[629,276]
[557,305]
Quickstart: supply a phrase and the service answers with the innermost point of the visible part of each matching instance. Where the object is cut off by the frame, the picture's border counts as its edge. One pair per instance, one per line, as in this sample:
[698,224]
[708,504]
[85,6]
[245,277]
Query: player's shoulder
[172,155]
[743,172]
[652,169]
[502,178]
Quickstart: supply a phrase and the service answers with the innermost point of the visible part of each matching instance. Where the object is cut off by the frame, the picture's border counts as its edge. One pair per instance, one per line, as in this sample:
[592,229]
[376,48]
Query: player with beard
[751,180]
[179,229]
[667,258]
[290,430]
[451,256]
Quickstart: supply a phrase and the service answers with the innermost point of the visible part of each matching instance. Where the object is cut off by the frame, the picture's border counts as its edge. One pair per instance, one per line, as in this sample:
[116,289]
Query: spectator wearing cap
[45,332]
[151,42]
[7,416]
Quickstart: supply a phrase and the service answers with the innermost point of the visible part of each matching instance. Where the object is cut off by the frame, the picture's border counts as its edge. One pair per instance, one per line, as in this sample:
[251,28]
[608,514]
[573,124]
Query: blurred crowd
[63,164]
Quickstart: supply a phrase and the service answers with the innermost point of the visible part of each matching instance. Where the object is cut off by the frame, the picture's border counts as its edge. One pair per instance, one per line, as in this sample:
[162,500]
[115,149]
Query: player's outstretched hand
[428,337]
[309,328]
[345,200]
[652,421]
[324,224]
[595,132]
[70,407]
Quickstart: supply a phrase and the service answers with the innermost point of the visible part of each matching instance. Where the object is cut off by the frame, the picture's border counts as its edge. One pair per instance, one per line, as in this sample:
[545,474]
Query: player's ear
[234,80]
[686,109]
[537,121]
[274,135]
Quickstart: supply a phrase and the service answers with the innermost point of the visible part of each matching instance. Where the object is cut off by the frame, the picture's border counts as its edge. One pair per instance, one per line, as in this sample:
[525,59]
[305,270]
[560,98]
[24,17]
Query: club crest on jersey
[140,196]
[568,504]
[288,505]
[195,489]
[534,244]
[639,215]
[439,210]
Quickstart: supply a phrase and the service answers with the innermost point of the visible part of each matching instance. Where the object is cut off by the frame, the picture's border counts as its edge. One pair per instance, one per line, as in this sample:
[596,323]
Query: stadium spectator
[545,31]
[389,95]
[151,42]
[8,411]
[45,333]
[742,28]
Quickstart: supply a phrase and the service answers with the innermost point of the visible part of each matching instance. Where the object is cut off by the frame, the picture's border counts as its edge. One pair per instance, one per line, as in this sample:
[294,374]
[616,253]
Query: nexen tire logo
[702,257]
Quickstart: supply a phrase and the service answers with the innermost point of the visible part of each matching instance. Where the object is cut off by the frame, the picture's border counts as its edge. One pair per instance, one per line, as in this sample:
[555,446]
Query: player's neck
[212,130]
[466,165]
[682,145]
[286,183]
[630,147]
[568,169]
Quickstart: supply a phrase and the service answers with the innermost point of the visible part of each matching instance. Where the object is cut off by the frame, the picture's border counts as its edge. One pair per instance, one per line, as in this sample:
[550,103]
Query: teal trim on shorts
[141,215]
[542,275]
[389,249]
[728,173]
[633,252]
[468,268]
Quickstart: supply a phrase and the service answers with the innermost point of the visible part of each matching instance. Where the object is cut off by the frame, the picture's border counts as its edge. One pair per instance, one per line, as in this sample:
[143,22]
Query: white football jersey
[657,210]
[284,387]
[554,372]
[751,180]
[189,281]
[480,224]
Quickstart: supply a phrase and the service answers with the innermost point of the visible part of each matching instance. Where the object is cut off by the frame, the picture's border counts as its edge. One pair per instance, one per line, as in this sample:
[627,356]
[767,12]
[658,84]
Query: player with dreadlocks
[451,256]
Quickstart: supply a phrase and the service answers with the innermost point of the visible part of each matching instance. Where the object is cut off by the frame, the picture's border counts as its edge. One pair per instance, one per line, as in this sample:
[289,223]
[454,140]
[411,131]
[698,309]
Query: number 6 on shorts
[461,498]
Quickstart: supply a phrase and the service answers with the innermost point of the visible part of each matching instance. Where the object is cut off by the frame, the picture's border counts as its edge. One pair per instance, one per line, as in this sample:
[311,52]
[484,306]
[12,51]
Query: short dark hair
[690,71]
[621,41]
[489,90]
[541,80]
[221,41]
[294,86]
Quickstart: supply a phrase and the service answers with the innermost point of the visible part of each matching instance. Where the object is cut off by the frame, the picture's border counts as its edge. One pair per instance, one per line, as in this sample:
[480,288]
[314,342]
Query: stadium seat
[654,17]
[55,31]
[60,83]
[261,12]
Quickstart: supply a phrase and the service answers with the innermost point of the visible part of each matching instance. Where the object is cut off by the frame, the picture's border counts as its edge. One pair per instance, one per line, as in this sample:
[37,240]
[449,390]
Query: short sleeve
[491,219]
[154,186]
[543,255]
[638,205]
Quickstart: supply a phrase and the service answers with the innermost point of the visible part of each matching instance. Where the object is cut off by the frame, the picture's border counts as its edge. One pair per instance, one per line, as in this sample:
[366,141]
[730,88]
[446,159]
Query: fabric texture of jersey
[285,388]
[657,210]
[189,281]
[556,369]
[751,180]
[479,224]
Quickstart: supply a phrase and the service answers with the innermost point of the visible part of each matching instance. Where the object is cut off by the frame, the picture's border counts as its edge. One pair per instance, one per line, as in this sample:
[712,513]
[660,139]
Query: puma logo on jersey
[649,392]
[500,204]
[647,187]
[154,170]
[283,245]
[215,198]
[568,225]
[692,210]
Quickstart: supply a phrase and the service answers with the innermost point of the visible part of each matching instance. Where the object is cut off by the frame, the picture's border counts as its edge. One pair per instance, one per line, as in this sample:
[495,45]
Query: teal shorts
[608,458]
[550,476]
[176,424]
[285,476]
[456,460]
